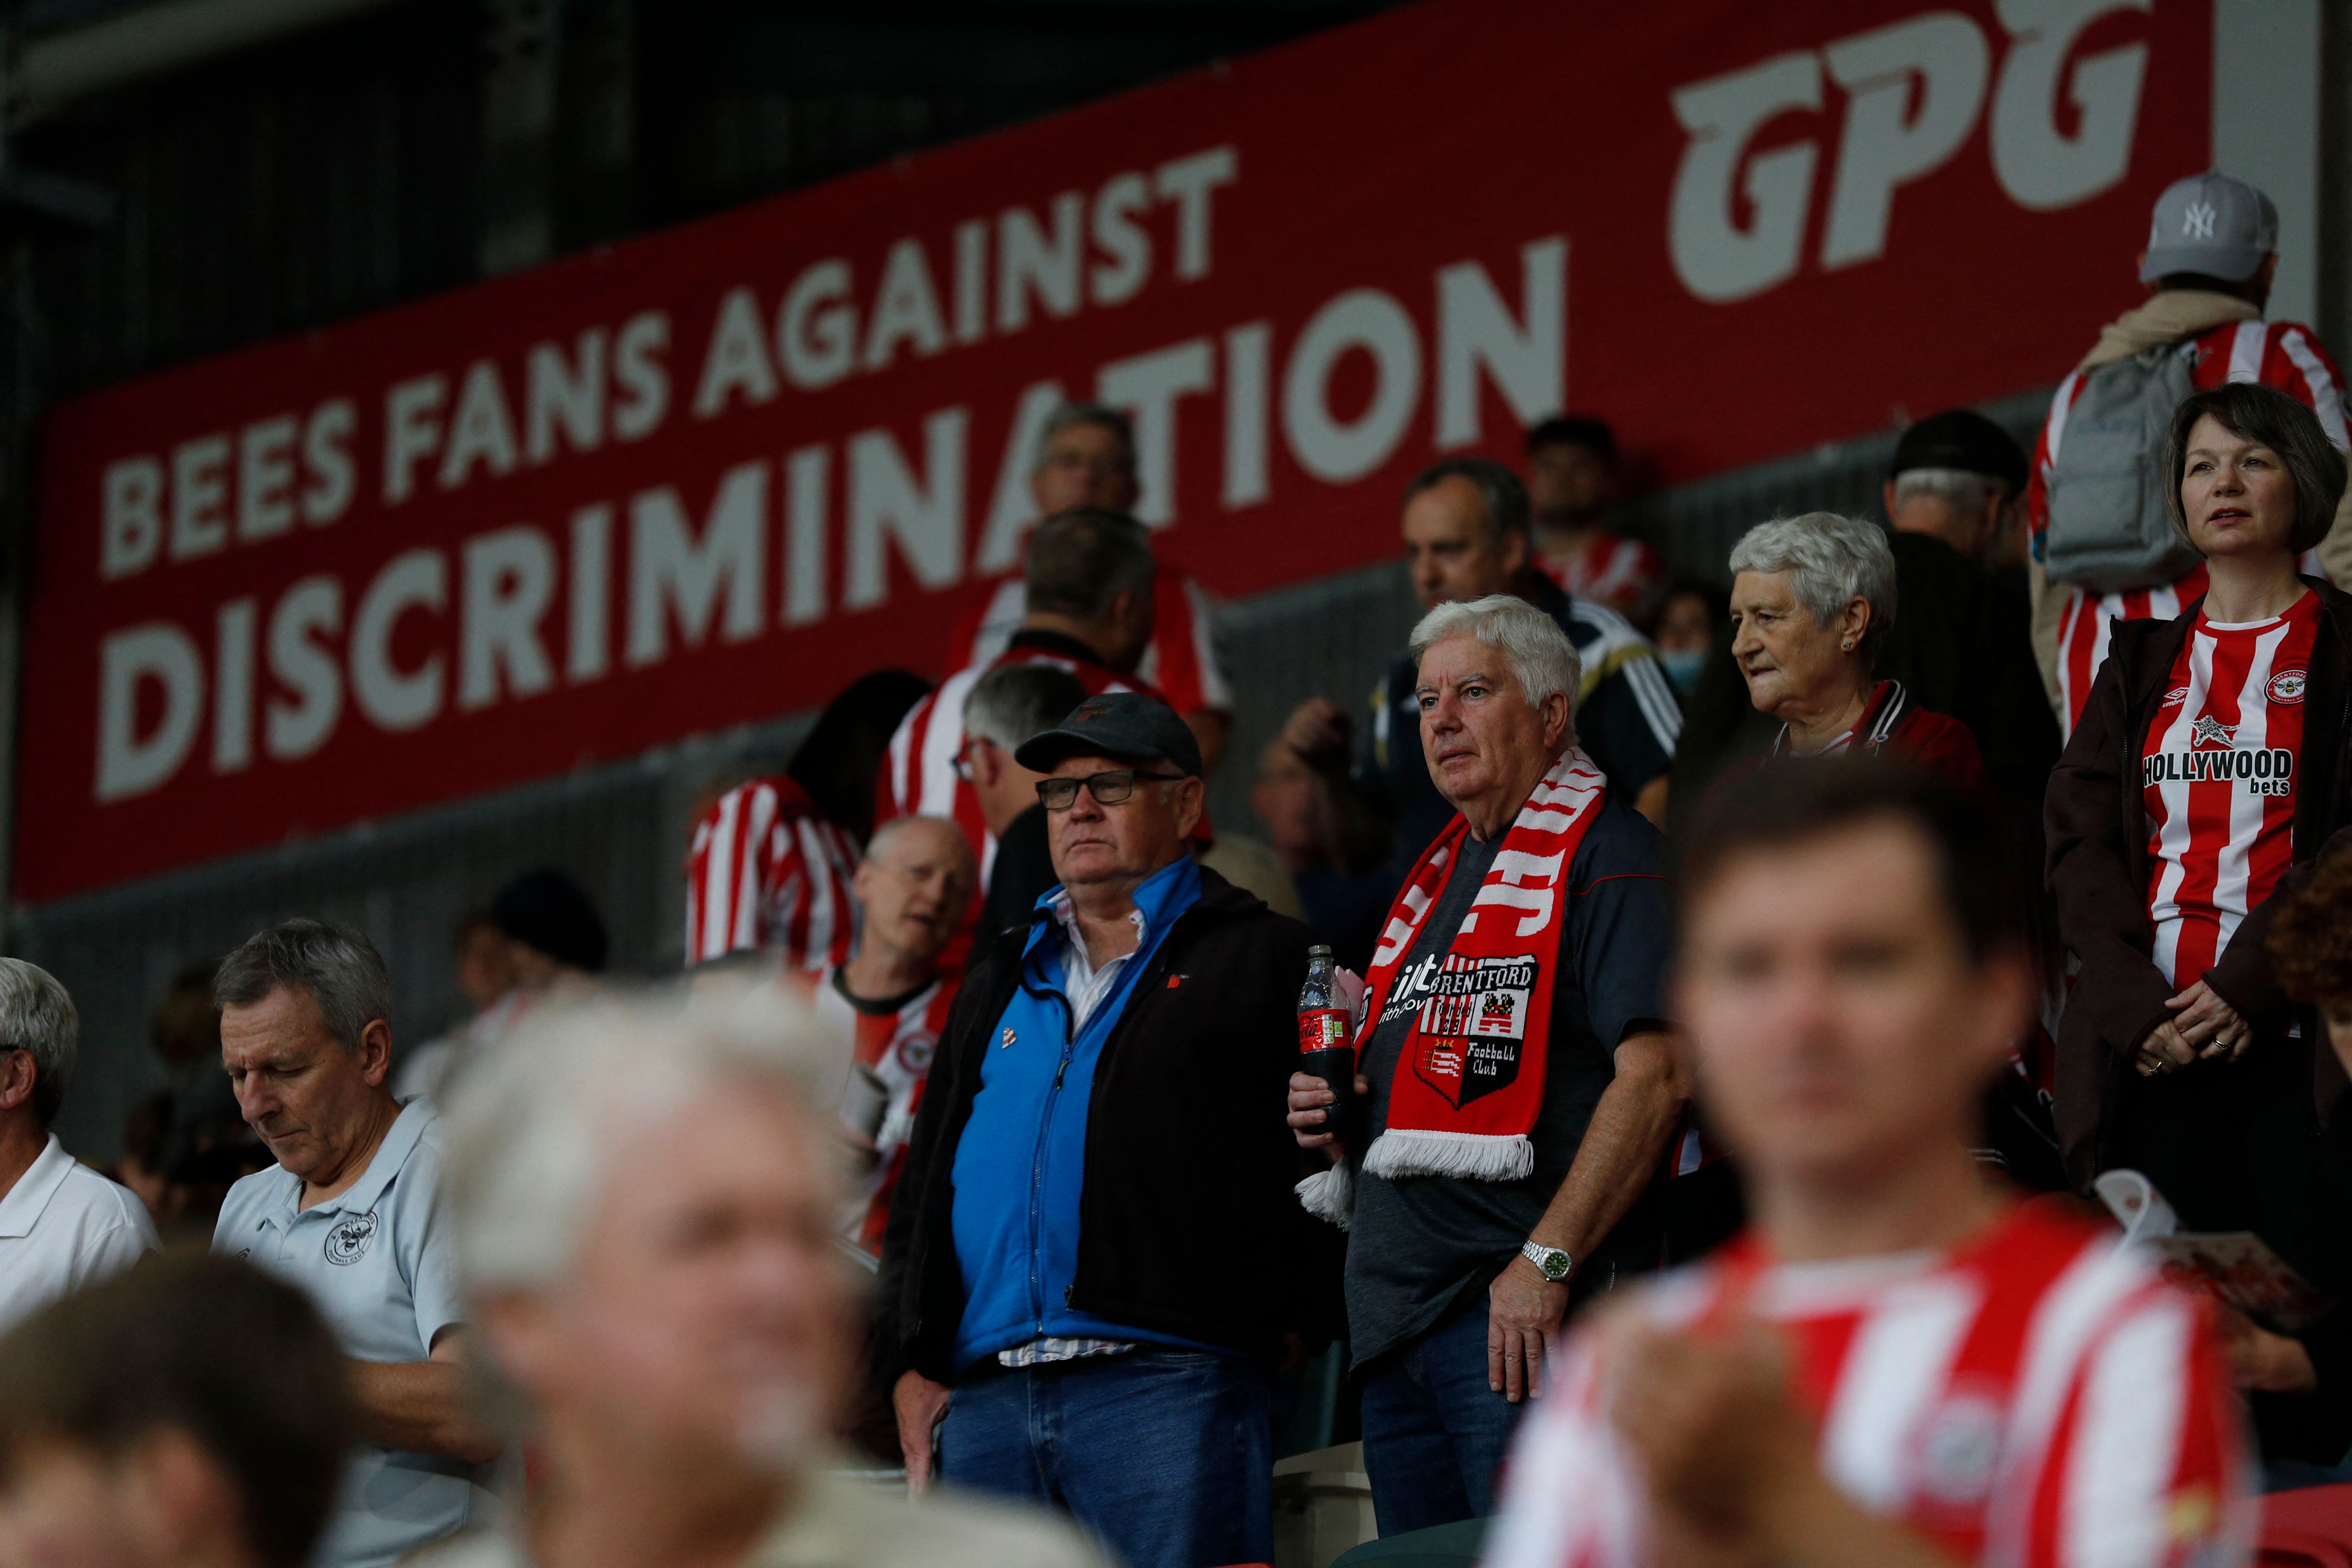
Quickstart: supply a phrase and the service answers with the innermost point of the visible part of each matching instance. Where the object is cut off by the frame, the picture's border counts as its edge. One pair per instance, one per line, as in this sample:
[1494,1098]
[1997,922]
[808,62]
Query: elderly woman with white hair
[643,1195]
[1812,598]
[1516,1087]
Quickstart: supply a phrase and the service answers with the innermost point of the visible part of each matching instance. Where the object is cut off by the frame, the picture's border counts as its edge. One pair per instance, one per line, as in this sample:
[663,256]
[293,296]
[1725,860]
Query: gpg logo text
[1914,90]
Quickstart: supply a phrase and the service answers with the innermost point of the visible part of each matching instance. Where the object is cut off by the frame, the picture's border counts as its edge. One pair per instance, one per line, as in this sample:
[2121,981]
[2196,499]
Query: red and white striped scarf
[1470,1078]
[1469,1081]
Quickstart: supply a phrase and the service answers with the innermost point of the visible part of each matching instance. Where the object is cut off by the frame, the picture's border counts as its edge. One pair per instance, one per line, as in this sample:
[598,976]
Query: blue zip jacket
[1020,1164]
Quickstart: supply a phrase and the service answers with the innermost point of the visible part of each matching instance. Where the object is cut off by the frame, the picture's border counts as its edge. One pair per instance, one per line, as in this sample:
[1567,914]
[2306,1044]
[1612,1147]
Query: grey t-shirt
[1418,1245]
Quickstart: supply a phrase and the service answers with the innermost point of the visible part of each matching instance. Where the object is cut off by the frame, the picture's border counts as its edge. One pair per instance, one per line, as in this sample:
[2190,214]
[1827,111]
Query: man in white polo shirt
[348,1215]
[62,1225]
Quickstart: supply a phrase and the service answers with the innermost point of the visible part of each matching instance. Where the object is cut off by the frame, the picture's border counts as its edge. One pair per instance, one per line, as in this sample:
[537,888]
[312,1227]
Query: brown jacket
[2099,867]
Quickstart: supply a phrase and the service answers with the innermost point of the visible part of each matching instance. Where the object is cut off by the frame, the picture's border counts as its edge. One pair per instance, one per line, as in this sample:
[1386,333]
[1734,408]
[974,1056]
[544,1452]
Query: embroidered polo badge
[350,1237]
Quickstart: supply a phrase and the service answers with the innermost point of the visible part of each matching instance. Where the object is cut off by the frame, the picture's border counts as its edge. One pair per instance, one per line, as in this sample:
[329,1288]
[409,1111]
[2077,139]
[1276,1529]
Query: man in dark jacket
[1095,1244]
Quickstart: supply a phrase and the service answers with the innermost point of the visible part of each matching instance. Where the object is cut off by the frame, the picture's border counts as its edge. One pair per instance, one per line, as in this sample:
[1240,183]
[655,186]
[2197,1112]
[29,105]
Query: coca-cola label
[1320,1028]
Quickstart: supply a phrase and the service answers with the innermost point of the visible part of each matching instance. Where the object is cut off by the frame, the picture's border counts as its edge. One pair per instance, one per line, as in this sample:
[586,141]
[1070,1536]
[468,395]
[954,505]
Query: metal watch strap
[1554,1263]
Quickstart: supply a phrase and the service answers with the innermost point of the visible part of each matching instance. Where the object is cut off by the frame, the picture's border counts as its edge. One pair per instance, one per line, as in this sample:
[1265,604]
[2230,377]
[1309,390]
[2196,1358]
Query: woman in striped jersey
[2207,772]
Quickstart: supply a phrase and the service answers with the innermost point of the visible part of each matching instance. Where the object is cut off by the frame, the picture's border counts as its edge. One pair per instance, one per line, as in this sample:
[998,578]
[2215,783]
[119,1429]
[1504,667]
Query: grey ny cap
[2211,223]
[1124,725]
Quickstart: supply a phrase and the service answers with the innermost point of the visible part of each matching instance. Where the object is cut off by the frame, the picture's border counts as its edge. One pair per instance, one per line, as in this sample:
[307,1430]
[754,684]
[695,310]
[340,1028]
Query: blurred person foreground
[1898,1363]
[192,1411]
[643,1197]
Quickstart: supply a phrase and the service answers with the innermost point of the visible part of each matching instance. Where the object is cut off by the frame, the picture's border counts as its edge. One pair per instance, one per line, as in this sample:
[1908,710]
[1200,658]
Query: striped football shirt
[2038,1398]
[1623,573]
[894,1043]
[766,874]
[2218,773]
[2275,354]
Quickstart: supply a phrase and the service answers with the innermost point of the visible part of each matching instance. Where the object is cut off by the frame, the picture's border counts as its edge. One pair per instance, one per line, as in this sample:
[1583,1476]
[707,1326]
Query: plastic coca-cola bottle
[1326,1046]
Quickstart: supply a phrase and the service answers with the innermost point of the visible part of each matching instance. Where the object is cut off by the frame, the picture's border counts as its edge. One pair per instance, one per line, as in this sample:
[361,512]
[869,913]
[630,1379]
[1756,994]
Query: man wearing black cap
[1094,1247]
[1959,478]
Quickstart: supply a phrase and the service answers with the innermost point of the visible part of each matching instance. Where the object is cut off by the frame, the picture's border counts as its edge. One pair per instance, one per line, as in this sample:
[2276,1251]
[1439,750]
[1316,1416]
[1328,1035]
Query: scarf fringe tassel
[1473,1156]
[1330,1195]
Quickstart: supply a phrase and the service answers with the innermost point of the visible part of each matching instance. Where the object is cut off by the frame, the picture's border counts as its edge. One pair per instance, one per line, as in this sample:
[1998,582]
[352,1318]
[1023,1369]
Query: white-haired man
[1465,528]
[1518,1087]
[62,1225]
[644,1211]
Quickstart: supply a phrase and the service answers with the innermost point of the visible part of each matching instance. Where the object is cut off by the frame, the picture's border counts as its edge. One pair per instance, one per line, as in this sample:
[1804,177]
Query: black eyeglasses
[1113,789]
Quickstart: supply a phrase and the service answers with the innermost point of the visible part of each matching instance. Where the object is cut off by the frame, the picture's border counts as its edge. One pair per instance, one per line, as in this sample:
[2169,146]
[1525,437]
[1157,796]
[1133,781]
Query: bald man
[914,884]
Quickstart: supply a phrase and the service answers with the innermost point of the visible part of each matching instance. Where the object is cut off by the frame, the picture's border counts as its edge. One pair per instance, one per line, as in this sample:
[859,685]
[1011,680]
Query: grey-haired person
[1812,600]
[643,1193]
[1094,1254]
[62,1225]
[1519,1090]
[351,1216]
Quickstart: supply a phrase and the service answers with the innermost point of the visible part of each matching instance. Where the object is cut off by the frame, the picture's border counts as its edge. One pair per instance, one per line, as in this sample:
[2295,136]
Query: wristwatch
[1552,1262]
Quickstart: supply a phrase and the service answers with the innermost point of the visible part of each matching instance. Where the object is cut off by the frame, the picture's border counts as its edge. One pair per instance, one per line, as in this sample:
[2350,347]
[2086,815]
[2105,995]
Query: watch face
[1555,1267]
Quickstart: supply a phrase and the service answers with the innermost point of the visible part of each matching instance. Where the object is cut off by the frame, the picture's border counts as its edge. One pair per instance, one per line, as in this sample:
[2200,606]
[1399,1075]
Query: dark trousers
[1436,1435]
[1166,1455]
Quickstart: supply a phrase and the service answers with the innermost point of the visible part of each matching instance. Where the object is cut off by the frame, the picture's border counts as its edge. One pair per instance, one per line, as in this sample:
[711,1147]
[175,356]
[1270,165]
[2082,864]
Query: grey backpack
[2109,528]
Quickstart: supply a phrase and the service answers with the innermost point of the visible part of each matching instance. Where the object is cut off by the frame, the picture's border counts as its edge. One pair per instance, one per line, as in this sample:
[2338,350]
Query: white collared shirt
[376,1261]
[1082,982]
[63,1226]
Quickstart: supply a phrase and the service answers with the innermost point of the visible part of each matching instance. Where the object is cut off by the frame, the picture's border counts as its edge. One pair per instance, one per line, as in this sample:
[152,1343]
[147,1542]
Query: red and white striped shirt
[767,874]
[919,777]
[2037,1399]
[1623,573]
[2275,354]
[1181,663]
[896,1046]
[2218,773]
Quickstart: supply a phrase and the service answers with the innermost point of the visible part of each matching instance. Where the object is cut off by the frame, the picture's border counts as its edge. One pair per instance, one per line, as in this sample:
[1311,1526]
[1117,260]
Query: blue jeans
[1166,1455]
[1435,1435]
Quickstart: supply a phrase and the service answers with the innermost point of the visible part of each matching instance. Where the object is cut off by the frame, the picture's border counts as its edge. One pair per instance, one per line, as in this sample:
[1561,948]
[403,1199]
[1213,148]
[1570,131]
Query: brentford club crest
[2288,686]
[350,1238]
[1471,1030]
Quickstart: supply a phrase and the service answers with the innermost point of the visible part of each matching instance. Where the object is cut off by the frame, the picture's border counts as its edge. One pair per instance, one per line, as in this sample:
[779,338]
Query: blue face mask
[1682,667]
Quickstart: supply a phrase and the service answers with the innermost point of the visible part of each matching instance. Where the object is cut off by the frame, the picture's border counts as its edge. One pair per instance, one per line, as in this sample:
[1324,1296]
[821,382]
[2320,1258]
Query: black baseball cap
[1965,439]
[1126,725]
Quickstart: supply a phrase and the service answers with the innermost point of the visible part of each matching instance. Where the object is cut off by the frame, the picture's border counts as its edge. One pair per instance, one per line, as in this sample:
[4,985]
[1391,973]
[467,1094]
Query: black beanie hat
[548,911]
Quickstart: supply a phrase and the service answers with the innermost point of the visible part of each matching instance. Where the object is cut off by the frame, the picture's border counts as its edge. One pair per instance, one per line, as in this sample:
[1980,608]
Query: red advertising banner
[709,474]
